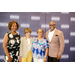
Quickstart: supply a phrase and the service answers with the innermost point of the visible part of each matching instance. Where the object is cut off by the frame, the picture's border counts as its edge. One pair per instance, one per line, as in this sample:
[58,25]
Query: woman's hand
[9,59]
[19,59]
[46,53]
[45,59]
[22,36]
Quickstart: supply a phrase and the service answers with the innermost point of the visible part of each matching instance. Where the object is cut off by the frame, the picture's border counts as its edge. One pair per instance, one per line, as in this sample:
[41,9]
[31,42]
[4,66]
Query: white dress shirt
[50,34]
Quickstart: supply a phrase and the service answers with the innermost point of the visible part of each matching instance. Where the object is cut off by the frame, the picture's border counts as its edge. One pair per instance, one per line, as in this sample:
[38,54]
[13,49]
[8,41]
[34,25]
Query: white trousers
[38,60]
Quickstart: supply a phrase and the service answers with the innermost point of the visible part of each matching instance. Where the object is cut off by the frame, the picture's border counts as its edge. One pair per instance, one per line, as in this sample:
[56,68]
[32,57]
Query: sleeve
[7,33]
[62,45]
[46,45]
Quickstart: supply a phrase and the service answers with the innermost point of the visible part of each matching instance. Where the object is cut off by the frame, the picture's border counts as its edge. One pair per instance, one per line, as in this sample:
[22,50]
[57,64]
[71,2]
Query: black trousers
[52,59]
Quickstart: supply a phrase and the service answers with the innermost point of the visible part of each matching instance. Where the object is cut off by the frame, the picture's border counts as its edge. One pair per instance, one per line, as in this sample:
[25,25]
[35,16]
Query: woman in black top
[11,43]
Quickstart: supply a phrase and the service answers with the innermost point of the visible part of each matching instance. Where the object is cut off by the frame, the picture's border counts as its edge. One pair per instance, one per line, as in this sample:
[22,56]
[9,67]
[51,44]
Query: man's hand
[58,56]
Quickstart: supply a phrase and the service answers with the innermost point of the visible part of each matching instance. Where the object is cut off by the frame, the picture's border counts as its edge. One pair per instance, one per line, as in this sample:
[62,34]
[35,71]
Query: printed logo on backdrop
[72,33]
[72,48]
[1,40]
[64,12]
[65,56]
[66,41]
[14,16]
[1,57]
[65,26]
[72,19]
[3,24]
[35,17]
[55,18]
[25,25]
[45,26]
[34,33]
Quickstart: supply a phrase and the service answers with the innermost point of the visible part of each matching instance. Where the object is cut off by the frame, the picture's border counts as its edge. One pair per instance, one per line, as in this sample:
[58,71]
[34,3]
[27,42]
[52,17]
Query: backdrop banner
[65,21]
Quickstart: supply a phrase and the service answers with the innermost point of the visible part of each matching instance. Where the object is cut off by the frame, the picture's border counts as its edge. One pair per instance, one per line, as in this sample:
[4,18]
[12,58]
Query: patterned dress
[39,47]
[13,46]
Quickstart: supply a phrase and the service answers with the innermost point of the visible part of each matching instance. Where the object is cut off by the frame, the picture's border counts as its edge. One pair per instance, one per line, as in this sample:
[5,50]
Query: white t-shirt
[28,43]
[50,35]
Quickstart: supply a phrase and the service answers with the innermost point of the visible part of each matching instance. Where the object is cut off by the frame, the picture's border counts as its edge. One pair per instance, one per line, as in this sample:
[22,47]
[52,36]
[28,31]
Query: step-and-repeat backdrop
[65,21]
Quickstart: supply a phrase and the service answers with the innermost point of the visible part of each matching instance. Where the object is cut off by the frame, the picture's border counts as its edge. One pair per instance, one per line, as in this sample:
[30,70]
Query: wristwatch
[45,56]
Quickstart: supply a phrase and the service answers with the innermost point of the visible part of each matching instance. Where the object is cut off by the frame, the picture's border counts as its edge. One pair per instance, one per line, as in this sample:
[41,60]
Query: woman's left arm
[46,53]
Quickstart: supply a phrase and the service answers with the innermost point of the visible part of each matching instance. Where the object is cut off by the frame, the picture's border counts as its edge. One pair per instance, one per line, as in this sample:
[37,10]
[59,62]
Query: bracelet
[45,56]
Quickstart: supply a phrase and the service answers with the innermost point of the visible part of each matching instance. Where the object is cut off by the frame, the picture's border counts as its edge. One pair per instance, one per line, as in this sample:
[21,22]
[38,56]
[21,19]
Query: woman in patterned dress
[11,43]
[40,47]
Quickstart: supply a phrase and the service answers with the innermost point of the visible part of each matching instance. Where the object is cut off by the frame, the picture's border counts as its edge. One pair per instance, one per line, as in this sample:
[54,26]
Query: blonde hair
[27,30]
[41,29]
